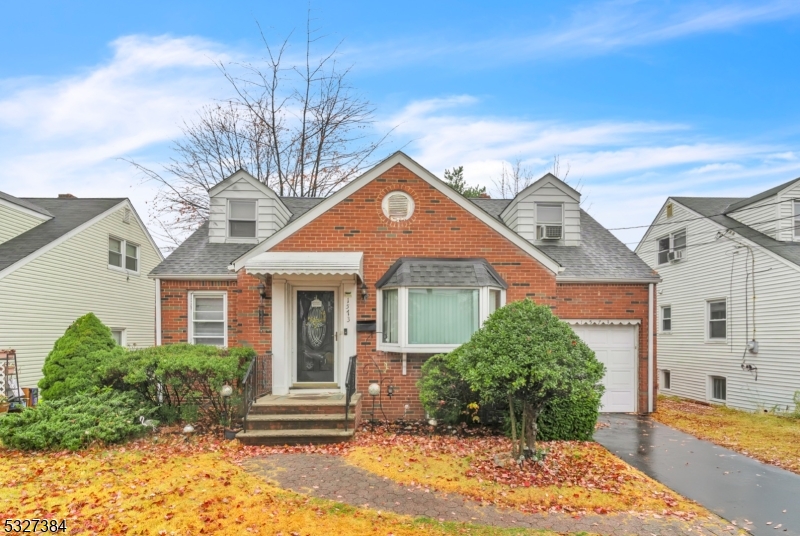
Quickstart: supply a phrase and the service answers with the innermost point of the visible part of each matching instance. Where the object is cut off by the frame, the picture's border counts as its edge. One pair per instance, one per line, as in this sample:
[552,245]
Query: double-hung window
[123,255]
[242,219]
[671,247]
[549,221]
[208,318]
[666,318]
[717,320]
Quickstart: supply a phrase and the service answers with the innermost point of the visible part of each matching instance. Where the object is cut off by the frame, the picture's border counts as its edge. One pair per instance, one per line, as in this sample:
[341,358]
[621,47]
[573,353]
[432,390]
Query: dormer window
[242,219]
[549,221]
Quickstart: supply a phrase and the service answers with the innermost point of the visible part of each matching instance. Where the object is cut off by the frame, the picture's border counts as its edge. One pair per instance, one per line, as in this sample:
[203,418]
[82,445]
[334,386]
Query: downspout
[158,312]
[650,312]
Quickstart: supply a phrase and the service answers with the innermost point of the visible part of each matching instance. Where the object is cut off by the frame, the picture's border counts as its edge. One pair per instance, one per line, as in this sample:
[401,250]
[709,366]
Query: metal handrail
[253,386]
[350,387]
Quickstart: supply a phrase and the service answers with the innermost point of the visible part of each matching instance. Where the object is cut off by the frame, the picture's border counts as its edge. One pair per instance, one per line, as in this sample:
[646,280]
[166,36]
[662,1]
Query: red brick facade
[438,228]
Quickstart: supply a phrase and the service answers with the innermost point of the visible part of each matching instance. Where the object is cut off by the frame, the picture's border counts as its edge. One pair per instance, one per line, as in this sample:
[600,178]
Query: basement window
[667,379]
[719,388]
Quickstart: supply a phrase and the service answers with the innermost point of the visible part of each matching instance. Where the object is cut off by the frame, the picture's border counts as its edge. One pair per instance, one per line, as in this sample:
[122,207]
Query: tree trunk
[521,450]
[530,414]
[514,452]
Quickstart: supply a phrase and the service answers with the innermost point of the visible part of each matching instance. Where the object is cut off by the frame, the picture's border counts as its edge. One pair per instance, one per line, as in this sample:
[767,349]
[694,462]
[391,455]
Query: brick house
[394,267]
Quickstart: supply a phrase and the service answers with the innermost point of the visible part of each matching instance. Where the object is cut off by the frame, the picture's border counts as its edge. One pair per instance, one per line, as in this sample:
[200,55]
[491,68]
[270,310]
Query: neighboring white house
[731,275]
[62,258]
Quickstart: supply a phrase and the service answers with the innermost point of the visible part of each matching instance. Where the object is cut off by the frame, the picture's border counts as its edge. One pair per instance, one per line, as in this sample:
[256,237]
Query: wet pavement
[727,483]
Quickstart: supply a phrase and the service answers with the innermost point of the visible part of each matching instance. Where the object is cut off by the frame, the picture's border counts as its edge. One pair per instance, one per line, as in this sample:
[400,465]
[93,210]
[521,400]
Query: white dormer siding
[763,216]
[524,213]
[774,215]
[14,222]
[271,213]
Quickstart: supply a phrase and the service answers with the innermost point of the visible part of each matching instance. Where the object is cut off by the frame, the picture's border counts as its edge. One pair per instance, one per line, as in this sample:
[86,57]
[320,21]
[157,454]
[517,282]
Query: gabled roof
[196,256]
[547,178]
[414,271]
[741,203]
[713,209]
[27,205]
[600,256]
[401,158]
[67,216]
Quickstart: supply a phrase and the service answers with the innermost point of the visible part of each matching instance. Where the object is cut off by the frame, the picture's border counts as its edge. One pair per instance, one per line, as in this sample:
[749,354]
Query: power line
[698,217]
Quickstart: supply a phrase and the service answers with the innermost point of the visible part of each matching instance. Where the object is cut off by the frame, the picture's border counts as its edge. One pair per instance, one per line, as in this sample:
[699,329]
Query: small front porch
[301,419]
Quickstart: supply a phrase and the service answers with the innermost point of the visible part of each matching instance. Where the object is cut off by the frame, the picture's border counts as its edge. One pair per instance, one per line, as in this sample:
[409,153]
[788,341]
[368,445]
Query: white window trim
[709,340]
[671,237]
[663,383]
[122,269]
[711,389]
[123,338]
[228,220]
[795,204]
[190,313]
[402,345]
[661,320]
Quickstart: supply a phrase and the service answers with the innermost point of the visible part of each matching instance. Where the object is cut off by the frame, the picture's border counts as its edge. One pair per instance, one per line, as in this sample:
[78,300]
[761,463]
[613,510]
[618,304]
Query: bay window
[433,319]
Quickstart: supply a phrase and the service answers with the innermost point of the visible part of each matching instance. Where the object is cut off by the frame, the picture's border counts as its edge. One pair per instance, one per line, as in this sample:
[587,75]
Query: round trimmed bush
[72,365]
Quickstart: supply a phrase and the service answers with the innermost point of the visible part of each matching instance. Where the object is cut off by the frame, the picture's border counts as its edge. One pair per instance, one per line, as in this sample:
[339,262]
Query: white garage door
[615,347]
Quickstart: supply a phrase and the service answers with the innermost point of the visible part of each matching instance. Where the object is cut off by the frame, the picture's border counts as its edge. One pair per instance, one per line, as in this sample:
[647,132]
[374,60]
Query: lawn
[167,486]
[767,437]
[575,477]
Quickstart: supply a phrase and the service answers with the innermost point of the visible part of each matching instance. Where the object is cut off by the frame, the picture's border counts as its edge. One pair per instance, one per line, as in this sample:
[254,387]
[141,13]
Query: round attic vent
[398,206]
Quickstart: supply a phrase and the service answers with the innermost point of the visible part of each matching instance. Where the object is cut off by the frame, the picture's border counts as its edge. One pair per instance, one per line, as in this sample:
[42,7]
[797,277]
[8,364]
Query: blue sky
[641,99]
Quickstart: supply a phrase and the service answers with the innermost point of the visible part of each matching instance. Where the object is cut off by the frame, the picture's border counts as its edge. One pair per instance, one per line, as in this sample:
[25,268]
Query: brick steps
[294,437]
[300,420]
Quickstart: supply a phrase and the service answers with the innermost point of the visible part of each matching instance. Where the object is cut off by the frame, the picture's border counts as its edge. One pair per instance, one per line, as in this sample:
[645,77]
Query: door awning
[307,263]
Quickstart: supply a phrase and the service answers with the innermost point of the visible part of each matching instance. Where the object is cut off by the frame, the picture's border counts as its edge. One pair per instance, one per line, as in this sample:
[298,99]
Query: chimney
[484,195]
[66,196]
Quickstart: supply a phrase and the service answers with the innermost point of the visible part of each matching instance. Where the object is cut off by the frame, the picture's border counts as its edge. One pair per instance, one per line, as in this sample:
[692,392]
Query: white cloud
[626,169]
[66,134]
[590,30]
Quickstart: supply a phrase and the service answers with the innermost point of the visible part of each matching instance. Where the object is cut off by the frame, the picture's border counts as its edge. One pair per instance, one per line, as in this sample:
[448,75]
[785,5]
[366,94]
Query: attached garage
[615,347]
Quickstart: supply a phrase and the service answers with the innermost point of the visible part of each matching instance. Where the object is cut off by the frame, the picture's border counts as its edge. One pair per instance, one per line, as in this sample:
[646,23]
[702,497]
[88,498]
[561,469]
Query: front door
[316,336]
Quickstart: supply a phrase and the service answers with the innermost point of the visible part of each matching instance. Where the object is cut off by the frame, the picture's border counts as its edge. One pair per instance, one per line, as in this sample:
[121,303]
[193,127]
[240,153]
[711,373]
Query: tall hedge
[71,366]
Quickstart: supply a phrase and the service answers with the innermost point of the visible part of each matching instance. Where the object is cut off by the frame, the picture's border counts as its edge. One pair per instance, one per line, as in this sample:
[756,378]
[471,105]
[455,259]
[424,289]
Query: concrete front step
[302,405]
[293,437]
[300,421]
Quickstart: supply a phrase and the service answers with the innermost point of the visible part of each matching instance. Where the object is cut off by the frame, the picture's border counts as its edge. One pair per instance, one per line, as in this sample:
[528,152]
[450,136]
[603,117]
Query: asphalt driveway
[727,483]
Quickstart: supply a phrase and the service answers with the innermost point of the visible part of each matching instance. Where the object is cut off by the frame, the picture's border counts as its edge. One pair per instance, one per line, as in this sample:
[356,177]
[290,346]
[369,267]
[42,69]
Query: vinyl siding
[522,215]
[786,213]
[41,299]
[763,216]
[14,223]
[715,268]
[272,213]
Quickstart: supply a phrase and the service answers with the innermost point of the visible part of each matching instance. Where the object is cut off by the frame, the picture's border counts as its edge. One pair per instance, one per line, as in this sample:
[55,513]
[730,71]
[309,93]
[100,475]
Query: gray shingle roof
[67,215]
[23,203]
[714,207]
[741,203]
[197,256]
[407,272]
[600,256]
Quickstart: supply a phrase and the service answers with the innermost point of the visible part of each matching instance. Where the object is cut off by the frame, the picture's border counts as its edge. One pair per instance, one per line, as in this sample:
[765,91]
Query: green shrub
[105,416]
[184,380]
[72,365]
[443,393]
[570,418]
[526,355]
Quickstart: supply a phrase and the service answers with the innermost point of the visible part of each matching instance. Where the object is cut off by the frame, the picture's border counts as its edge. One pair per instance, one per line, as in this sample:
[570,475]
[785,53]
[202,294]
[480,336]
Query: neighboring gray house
[731,275]
[62,258]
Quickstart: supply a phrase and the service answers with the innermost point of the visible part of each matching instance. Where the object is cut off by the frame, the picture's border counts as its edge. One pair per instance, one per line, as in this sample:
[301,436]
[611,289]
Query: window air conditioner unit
[675,255]
[549,232]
